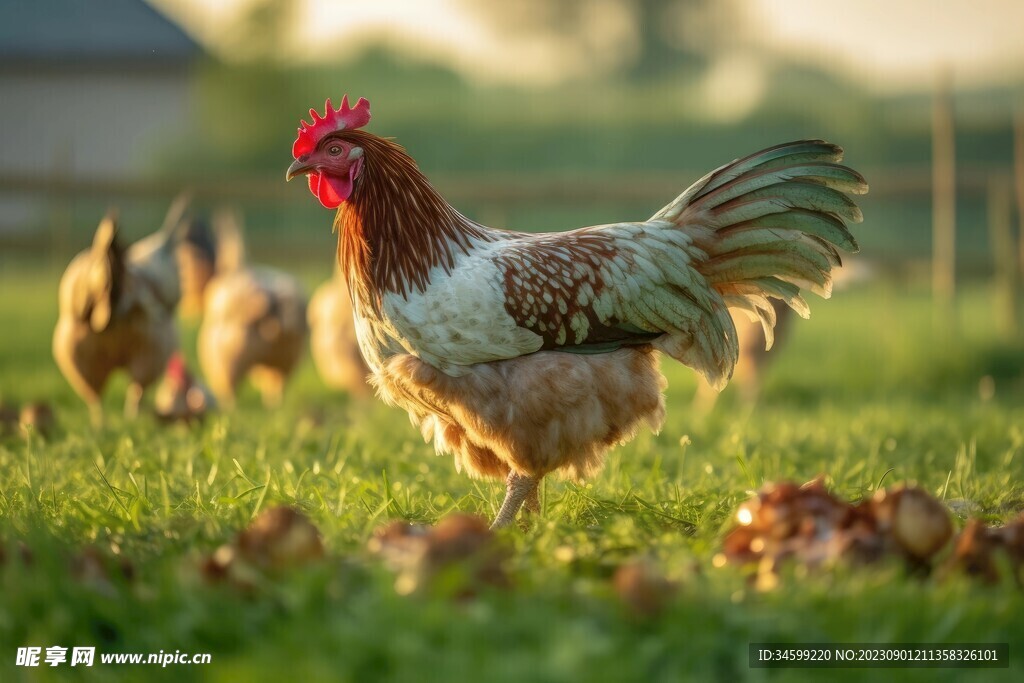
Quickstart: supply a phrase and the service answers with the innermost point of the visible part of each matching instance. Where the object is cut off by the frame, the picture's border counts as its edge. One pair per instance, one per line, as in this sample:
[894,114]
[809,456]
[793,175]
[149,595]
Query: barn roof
[91,30]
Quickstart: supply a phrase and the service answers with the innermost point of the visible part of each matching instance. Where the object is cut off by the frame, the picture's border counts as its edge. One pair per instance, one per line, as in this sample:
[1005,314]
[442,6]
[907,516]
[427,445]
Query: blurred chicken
[197,263]
[8,418]
[37,418]
[117,311]
[254,322]
[333,338]
[180,397]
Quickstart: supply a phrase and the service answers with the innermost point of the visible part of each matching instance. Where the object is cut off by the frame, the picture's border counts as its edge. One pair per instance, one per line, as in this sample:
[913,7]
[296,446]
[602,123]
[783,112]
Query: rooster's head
[332,163]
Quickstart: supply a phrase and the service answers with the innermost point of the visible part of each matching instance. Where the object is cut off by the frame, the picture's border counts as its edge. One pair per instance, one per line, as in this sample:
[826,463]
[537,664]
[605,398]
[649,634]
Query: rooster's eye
[334,150]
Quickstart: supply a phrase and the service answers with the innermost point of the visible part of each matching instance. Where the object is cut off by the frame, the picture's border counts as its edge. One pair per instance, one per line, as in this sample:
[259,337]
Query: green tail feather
[777,220]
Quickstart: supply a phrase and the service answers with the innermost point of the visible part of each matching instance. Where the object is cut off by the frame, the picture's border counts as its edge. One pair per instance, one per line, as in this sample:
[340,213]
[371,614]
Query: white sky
[901,43]
[884,44]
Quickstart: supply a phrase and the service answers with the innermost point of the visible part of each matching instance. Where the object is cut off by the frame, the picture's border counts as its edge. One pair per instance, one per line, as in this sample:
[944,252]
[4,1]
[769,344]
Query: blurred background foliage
[626,92]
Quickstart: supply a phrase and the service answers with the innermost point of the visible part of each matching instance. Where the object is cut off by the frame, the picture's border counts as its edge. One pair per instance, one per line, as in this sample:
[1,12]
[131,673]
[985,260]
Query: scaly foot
[519,488]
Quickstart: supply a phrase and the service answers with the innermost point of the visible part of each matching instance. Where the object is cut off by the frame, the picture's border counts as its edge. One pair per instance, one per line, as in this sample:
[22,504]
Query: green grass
[864,391]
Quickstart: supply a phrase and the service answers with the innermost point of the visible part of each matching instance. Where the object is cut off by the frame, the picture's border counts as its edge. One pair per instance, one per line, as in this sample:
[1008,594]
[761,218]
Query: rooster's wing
[586,291]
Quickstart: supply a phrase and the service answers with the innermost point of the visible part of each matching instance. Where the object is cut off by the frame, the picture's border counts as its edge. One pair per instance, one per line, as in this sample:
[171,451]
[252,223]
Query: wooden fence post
[1018,182]
[1004,254]
[61,213]
[943,201]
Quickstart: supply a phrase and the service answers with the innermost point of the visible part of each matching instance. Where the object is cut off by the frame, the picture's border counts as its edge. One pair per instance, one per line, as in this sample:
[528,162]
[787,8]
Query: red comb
[343,118]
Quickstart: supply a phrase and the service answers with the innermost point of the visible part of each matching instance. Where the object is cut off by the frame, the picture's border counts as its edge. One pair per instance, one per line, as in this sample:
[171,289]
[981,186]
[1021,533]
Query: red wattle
[329,190]
[332,191]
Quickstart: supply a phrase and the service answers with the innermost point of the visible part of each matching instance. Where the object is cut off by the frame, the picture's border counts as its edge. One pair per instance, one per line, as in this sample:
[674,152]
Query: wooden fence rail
[479,189]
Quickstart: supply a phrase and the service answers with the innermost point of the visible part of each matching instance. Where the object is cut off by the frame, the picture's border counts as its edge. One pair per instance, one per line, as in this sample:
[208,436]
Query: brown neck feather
[395,227]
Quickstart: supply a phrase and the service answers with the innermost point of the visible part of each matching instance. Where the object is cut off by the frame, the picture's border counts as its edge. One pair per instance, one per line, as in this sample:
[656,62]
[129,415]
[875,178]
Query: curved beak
[298,167]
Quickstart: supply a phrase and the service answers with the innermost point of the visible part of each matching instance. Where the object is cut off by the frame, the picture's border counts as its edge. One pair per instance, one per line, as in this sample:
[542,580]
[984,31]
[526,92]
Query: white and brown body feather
[530,415]
[525,354]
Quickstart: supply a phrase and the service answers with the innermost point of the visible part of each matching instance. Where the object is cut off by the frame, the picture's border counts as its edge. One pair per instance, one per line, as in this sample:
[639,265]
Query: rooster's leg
[519,487]
[532,502]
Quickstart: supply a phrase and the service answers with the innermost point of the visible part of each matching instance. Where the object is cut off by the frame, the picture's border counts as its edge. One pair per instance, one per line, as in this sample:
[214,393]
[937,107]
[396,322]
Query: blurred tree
[247,107]
[263,30]
[668,39]
[638,39]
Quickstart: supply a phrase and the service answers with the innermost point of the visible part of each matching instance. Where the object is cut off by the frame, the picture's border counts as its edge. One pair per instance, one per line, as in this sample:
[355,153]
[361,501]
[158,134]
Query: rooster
[117,311]
[525,354]
[254,323]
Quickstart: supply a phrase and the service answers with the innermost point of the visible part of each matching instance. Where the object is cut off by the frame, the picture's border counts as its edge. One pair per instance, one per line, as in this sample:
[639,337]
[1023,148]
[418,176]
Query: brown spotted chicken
[526,354]
[254,325]
[117,309]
